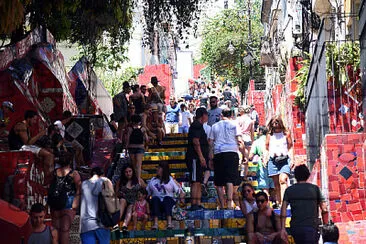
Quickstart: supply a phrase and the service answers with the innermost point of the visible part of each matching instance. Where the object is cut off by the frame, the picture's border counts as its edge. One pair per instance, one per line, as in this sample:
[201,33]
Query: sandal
[170,227]
[124,229]
[154,227]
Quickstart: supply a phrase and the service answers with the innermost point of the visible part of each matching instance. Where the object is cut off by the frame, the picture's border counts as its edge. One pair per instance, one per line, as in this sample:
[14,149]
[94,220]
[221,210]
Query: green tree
[88,22]
[231,26]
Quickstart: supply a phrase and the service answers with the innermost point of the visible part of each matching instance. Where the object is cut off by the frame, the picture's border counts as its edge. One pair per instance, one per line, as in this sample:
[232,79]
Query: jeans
[158,207]
[103,236]
[305,234]
[183,129]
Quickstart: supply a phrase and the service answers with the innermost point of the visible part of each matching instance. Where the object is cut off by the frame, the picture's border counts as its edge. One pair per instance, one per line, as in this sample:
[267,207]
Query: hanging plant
[301,77]
[342,60]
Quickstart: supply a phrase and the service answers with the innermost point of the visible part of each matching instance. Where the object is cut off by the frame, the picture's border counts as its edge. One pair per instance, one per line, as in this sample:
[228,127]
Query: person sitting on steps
[20,139]
[162,189]
[263,226]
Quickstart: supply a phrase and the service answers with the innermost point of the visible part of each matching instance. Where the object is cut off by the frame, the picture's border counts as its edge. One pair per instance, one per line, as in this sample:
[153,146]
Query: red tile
[361,193]
[354,207]
[345,217]
[342,207]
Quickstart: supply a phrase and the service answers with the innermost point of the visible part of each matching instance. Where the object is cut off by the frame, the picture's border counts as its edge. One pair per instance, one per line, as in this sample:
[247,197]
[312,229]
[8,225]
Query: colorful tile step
[173,149]
[117,234]
[221,214]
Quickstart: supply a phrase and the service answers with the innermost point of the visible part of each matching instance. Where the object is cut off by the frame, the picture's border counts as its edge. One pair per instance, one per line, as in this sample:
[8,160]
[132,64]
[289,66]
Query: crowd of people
[223,137]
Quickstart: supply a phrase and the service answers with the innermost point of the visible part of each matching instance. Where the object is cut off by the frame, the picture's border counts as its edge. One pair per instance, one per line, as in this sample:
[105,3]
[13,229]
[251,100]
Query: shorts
[278,168]
[264,181]
[32,148]
[136,150]
[226,168]
[196,170]
[183,129]
[247,143]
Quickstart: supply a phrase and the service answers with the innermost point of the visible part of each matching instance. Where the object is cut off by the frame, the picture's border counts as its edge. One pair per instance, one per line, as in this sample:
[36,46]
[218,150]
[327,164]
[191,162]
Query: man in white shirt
[225,140]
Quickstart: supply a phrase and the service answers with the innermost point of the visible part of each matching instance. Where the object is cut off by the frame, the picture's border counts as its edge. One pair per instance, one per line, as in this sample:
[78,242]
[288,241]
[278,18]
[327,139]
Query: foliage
[339,56]
[231,26]
[88,22]
[108,68]
[113,81]
[301,77]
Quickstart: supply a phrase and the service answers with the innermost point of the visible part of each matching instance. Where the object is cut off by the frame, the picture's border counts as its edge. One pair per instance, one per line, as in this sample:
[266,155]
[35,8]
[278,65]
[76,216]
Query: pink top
[140,207]
[245,124]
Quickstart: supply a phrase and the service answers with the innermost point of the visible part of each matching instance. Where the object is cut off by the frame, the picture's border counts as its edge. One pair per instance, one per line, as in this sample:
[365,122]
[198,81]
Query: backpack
[273,221]
[57,193]
[108,206]
[137,136]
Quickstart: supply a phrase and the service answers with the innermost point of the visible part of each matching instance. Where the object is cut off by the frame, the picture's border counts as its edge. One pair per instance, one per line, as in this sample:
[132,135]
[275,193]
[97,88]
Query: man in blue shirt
[172,117]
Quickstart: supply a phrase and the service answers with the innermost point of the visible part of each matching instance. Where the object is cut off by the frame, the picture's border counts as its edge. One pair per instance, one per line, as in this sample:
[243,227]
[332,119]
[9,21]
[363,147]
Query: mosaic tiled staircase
[209,225]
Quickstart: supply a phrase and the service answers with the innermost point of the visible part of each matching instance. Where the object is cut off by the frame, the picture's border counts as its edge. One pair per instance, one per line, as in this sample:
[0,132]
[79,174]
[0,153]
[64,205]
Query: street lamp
[231,48]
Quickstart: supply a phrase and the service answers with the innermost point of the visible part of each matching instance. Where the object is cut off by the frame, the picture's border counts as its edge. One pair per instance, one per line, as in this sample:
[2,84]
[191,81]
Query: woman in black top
[71,181]
[137,99]
[136,140]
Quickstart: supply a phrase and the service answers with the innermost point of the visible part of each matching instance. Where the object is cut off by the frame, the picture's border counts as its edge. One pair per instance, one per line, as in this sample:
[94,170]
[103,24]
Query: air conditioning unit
[297,20]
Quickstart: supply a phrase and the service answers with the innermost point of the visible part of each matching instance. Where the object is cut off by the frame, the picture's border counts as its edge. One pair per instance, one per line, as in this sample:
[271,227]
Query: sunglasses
[261,201]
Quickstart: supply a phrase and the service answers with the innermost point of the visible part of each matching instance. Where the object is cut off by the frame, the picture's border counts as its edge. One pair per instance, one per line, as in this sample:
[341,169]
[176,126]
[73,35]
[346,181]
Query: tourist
[226,139]
[131,111]
[248,203]
[214,114]
[172,117]
[120,105]
[41,233]
[141,209]
[91,229]
[255,117]
[184,119]
[264,225]
[162,189]
[155,125]
[136,141]
[137,99]
[278,144]
[70,181]
[259,156]
[157,95]
[127,188]
[5,109]
[305,200]
[143,90]
[20,139]
[197,156]
[246,125]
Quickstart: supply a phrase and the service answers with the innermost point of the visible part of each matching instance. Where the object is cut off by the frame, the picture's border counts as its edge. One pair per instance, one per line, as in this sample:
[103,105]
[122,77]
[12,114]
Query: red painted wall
[164,75]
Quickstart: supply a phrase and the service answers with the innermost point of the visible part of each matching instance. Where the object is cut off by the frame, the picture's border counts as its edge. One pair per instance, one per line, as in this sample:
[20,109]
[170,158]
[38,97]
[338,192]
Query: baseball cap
[9,105]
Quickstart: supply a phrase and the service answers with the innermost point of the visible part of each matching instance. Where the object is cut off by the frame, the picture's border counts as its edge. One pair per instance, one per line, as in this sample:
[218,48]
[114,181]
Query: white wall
[184,72]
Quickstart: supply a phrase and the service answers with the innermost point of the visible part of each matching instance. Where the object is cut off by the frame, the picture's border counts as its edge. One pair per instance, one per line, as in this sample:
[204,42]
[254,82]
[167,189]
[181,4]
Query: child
[141,209]
[184,119]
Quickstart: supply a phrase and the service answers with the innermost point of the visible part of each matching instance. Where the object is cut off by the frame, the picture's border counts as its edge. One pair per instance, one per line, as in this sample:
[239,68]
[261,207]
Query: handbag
[281,159]
[108,206]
